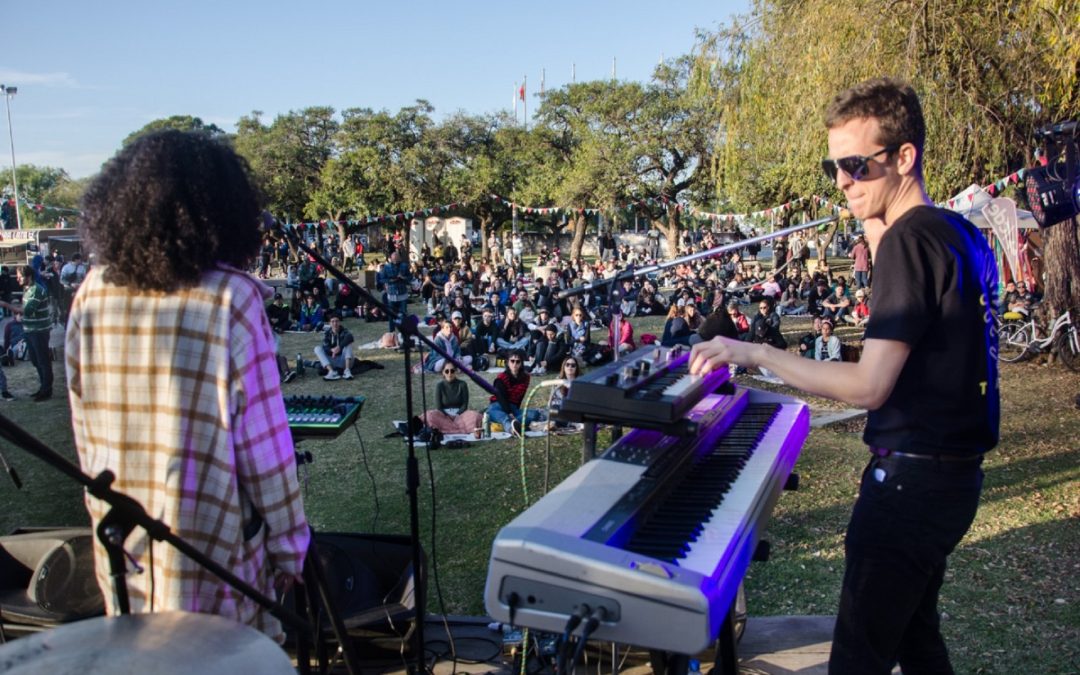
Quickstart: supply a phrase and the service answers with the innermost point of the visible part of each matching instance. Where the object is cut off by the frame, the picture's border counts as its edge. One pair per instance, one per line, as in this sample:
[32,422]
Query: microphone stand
[635,272]
[409,327]
[125,514]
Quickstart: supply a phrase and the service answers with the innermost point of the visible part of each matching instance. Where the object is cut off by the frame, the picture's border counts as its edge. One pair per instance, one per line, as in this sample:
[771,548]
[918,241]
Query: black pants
[910,515]
[37,343]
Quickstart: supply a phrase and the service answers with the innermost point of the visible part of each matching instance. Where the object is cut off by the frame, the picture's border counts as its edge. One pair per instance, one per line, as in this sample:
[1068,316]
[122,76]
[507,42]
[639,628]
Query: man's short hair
[894,104]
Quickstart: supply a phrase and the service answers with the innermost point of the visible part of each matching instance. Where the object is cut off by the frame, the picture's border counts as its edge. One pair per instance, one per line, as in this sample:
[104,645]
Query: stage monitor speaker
[47,577]
[371,578]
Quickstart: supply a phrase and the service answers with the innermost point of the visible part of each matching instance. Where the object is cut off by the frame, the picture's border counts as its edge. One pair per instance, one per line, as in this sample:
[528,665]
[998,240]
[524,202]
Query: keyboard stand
[726,661]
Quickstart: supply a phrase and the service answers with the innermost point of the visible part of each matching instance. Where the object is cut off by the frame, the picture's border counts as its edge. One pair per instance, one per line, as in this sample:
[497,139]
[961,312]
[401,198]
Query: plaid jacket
[178,395]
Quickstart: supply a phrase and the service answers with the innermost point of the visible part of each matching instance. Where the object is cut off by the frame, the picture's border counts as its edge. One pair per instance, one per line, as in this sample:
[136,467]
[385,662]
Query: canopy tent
[971,201]
[1010,238]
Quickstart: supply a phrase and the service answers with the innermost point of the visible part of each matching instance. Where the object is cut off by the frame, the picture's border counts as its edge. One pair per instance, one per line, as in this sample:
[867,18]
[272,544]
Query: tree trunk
[1061,260]
[579,236]
[669,227]
[487,224]
[825,240]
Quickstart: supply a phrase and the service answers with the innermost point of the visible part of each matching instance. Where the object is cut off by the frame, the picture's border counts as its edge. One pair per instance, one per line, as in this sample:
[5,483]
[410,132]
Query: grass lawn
[1012,595]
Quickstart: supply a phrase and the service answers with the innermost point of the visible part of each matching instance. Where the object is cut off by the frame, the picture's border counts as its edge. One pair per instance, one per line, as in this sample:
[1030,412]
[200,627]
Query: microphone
[1059,129]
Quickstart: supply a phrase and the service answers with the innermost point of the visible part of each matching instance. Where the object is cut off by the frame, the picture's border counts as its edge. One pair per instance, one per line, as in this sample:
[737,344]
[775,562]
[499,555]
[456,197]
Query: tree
[287,157]
[489,154]
[48,187]
[177,122]
[988,74]
[673,135]
[587,158]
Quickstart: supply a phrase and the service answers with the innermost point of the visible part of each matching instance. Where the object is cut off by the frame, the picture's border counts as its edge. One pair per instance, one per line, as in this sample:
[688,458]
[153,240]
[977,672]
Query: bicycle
[1017,341]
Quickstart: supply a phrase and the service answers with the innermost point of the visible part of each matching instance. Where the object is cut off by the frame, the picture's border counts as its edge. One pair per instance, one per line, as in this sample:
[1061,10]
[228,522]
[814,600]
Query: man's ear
[906,158]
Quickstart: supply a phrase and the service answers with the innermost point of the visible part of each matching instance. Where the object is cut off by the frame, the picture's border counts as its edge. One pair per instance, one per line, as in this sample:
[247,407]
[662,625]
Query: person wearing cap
[278,313]
[536,326]
[551,348]
[815,302]
[462,331]
[860,312]
[742,324]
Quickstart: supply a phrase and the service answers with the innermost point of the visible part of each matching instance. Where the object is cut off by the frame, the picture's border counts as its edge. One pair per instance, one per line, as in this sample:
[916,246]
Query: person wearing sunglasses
[451,414]
[927,376]
[512,384]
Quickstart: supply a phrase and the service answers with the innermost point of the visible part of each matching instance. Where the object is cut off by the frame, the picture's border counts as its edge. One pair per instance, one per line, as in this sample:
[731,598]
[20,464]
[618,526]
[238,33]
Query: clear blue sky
[90,73]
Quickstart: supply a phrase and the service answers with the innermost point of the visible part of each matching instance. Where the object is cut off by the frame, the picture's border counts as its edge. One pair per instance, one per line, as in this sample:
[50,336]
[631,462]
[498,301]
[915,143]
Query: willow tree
[988,74]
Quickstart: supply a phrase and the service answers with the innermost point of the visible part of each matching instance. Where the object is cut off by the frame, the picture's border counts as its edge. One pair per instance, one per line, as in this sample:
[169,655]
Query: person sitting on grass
[550,349]
[451,414]
[569,371]
[626,335]
[448,341]
[278,313]
[512,385]
[827,345]
[860,313]
[580,331]
[742,324]
[835,306]
[514,333]
[311,315]
[336,352]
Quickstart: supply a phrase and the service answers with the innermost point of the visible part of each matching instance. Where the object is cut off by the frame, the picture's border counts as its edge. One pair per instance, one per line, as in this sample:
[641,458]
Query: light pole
[8,93]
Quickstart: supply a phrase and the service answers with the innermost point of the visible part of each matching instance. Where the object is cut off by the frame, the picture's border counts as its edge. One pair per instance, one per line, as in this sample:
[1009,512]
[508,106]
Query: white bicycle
[1017,340]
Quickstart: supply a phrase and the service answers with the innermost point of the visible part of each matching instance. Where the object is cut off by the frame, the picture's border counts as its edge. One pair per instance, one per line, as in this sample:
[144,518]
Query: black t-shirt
[935,282]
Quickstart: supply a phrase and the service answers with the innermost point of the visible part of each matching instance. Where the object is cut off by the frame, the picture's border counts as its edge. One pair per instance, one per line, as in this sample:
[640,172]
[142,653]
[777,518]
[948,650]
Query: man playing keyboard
[927,376]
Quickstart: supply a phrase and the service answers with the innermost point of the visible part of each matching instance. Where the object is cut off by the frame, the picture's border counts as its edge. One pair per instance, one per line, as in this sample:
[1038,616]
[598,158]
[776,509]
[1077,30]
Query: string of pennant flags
[993,189]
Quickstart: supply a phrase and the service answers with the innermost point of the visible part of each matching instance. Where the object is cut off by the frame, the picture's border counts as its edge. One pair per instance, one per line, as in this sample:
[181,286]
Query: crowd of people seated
[488,312]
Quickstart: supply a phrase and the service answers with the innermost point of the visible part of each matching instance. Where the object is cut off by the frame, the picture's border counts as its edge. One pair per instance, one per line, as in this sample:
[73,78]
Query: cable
[434,561]
[588,629]
[371,476]
[571,623]
[525,415]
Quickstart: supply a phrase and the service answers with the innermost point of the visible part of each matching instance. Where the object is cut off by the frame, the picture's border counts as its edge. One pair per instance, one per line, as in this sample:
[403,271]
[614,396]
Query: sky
[90,73]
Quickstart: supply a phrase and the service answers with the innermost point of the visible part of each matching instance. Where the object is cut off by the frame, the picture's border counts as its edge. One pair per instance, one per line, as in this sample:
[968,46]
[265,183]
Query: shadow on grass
[1012,601]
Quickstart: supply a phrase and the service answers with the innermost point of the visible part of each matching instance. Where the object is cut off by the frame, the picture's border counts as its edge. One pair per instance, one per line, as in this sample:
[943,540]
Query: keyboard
[658,531]
[651,386]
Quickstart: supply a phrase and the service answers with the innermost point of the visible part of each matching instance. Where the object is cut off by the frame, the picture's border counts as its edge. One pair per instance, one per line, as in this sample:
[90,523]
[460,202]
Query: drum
[169,643]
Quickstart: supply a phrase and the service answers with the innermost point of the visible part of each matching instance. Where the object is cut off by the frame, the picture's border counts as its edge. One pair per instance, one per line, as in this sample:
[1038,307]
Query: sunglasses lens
[853,166]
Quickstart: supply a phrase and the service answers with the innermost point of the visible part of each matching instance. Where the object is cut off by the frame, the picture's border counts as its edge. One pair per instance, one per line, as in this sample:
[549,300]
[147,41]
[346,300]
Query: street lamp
[8,93]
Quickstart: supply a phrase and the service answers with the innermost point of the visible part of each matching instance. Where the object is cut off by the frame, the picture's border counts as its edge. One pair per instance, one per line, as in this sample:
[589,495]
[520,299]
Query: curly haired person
[173,382]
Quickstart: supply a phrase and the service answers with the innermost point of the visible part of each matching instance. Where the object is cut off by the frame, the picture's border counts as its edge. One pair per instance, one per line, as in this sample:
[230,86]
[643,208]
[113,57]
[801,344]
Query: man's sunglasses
[855,166]
[449,371]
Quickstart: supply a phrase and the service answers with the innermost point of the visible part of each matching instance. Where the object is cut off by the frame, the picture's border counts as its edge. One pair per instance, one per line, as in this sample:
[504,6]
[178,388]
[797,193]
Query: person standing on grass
[173,383]
[928,376]
[37,324]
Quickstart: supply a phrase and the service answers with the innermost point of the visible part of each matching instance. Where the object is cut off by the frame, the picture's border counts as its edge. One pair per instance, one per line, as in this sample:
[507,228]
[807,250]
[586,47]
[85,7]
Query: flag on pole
[521,92]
